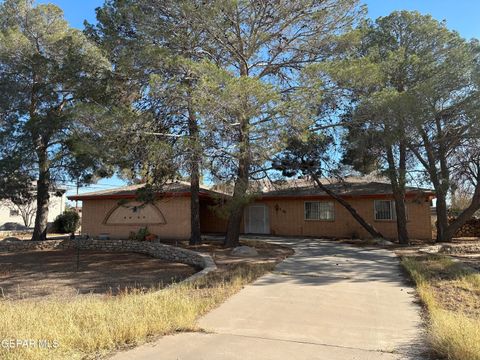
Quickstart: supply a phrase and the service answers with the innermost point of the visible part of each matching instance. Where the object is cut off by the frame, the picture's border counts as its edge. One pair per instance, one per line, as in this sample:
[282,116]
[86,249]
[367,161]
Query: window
[14,213]
[319,210]
[385,210]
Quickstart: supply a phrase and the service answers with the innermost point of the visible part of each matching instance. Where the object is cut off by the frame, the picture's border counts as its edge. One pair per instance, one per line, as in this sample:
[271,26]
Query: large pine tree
[46,69]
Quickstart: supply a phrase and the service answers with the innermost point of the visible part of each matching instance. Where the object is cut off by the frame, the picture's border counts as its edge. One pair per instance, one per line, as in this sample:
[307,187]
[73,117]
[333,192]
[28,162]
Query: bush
[141,235]
[67,222]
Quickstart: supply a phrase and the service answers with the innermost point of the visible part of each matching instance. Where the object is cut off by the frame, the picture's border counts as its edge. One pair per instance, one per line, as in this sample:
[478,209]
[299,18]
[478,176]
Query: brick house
[300,210]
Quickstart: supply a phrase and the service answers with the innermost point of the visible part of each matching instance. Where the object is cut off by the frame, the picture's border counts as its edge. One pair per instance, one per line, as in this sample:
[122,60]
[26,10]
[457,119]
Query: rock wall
[9,233]
[154,249]
[27,245]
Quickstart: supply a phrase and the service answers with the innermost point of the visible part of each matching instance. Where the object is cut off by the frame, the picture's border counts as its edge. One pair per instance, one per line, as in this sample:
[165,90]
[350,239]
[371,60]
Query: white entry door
[256,219]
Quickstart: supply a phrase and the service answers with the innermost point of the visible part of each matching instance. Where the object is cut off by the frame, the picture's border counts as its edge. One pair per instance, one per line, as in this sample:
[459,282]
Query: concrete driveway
[328,301]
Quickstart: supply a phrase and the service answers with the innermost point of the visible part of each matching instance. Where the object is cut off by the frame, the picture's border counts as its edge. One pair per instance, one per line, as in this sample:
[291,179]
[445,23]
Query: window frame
[393,212]
[332,204]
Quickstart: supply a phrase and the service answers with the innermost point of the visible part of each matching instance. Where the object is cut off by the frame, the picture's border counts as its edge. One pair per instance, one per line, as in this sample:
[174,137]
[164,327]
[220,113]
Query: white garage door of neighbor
[256,219]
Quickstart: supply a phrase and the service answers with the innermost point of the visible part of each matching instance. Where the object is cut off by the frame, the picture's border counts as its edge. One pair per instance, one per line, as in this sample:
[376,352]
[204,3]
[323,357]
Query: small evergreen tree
[66,223]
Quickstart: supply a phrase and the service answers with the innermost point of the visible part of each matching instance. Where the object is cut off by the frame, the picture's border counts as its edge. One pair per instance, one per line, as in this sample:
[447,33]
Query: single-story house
[286,211]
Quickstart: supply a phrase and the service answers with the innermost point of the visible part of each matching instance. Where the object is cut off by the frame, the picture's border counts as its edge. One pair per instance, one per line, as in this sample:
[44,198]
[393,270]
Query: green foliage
[47,70]
[401,71]
[181,73]
[15,185]
[140,235]
[413,87]
[304,155]
[66,223]
[144,125]
[216,90]
[224,101]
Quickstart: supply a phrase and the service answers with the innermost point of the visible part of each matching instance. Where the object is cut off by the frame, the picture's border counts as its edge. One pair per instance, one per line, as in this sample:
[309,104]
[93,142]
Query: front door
[256,219]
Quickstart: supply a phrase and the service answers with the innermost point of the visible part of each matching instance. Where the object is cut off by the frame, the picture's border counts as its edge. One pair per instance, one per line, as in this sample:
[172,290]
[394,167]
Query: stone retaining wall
[27,245]
[8,233]
[154,249]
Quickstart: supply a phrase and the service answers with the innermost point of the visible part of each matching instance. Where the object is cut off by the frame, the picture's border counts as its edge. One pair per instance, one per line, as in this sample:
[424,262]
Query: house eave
[428,195]
[133,196]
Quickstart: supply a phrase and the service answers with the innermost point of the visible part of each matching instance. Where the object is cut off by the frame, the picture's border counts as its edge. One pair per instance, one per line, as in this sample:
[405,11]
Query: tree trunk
[443,185]
[232,237]
[398,182]
[401,213]
[371,230]
[196,235]
[25,219]
[466,215]
[442,216]
[43,199]
[441,188]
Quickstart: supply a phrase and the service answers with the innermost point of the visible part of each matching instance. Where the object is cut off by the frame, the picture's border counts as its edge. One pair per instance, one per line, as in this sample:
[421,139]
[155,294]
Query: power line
[69,183]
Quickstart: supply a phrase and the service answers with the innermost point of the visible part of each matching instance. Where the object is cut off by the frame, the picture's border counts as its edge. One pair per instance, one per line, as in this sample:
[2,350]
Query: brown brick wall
[175,210]
[287,218]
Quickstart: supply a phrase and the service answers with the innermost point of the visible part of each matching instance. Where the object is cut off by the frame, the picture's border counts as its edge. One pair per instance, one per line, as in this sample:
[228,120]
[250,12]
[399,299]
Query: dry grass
[451,294]
[92,326]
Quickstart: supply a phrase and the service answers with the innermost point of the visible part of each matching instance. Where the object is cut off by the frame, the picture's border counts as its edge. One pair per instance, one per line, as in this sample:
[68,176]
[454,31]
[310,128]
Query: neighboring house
[11,214]
[290,211]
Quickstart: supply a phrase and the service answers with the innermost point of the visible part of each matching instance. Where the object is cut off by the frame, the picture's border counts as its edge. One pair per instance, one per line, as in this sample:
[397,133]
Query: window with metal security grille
[384,210]
[319,210]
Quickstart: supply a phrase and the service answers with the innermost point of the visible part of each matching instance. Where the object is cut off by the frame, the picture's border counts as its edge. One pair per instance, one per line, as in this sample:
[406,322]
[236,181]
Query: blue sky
[461,15]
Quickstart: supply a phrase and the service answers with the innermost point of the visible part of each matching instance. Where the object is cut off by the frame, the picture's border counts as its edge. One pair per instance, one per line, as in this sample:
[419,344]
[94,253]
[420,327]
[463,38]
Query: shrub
[67,222]
[141,235]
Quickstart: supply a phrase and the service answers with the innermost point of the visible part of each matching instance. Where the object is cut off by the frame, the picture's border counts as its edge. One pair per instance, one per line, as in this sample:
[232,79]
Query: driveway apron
[327,301]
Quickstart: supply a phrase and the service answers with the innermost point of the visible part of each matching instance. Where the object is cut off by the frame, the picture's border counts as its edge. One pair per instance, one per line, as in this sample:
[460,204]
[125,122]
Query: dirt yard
[42,273]
[267,252]
[468,251]
[447,277]
[469,257]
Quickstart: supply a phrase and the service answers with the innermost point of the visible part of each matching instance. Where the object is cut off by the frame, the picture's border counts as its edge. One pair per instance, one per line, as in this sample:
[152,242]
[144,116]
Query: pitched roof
[286,189]
[344,189]
[175,188]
